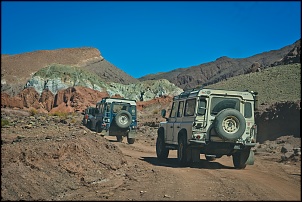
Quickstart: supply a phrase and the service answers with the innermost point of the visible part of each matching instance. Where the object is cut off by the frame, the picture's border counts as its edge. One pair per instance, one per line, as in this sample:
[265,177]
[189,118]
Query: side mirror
[256,102]
[201,111]
[163,113]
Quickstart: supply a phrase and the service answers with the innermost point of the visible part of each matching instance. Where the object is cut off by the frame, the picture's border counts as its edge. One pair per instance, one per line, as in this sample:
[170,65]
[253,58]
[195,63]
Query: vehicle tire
[240,158]
[84,122]
[119,138]
[98,128]
[210,157]
[161,151]
[182,151]
[123,119]
[230,124]
[88,124]
[130,140]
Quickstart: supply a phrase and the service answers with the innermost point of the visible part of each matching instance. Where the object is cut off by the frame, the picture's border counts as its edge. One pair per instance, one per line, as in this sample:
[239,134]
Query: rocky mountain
[52,80]
[225,67]
[48,80]
[17,69]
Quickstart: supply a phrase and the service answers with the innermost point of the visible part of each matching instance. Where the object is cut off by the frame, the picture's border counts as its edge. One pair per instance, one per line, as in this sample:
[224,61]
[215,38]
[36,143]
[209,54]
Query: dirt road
[217,180]
[49,158]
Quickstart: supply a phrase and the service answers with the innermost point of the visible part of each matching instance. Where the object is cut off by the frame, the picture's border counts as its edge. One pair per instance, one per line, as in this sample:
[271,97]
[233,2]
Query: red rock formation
[78,98]
[47,99]
[67,100]
[166,100]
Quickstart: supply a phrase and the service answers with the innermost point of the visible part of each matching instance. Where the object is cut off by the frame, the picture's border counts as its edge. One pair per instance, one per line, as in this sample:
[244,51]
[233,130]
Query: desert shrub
[155,111]
[73,120]
[4,122]
[33,112]
[62,115]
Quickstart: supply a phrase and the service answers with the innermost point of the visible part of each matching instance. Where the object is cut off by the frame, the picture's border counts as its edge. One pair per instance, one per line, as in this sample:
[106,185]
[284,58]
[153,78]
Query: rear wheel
[161,151]
[240,158]
[130,140]
[182,151]
[119,138]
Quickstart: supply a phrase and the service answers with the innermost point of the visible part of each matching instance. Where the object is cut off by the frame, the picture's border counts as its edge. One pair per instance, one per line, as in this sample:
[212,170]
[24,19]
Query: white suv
[212,122]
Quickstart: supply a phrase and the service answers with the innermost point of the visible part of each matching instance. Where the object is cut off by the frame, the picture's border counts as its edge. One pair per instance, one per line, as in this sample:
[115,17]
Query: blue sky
[147,37]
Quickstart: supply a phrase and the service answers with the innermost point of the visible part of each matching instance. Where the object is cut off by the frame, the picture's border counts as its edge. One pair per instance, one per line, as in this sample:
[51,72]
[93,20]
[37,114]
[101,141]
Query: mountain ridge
[223,68]
[103,77]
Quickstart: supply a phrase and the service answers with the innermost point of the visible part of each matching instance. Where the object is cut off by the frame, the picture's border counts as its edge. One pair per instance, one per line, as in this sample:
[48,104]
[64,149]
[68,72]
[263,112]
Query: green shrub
[4,122]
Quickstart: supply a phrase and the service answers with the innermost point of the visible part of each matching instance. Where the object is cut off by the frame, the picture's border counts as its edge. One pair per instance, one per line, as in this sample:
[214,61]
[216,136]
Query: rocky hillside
[17,69]
[279,91]
[72,79]
[77,98]
[225,67]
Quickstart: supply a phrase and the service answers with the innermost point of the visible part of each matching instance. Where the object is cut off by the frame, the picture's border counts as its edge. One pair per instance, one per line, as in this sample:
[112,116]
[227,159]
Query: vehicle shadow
[113,141]
[172,162]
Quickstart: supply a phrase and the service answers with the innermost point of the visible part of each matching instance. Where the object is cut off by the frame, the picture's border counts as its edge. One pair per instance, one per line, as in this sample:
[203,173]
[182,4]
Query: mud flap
[251,159]
[194,155]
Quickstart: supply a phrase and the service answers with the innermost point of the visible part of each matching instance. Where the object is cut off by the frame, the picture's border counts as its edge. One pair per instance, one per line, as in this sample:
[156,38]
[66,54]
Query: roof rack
[188,92]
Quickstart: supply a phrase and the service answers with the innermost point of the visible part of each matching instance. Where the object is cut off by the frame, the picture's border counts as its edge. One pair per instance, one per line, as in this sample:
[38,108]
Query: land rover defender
[116,117]
[212,122]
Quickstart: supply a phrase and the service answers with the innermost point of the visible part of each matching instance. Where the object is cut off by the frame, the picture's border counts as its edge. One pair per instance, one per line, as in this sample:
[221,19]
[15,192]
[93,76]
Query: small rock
[287,148]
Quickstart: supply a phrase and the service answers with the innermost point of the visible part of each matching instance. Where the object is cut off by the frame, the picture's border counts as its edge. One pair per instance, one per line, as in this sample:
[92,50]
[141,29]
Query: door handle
[171,126]
[178,126]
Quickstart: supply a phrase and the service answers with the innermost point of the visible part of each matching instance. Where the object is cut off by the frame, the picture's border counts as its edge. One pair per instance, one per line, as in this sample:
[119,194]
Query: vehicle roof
[122,100]
[208,92]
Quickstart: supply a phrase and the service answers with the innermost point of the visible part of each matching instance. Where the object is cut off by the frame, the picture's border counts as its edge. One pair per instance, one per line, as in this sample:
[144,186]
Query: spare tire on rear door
[229,124]
[123,119]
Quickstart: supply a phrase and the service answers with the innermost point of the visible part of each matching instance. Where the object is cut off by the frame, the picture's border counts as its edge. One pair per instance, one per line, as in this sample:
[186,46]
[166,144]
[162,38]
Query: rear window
[220,103]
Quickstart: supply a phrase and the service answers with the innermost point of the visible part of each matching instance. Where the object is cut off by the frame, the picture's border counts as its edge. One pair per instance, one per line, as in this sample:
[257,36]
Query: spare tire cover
[230,124]
[123,119]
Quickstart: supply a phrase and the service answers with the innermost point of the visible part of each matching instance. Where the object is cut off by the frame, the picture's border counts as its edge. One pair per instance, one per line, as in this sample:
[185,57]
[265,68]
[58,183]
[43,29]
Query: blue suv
[116,117]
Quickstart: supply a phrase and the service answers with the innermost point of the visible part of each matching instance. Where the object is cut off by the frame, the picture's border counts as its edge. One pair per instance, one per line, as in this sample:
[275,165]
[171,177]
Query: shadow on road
[112,140]
[172,163]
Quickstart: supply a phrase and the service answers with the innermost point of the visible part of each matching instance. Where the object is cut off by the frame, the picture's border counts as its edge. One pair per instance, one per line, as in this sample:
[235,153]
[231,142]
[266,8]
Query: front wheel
[161,151]
[182,151]
[98,128]
[89,124]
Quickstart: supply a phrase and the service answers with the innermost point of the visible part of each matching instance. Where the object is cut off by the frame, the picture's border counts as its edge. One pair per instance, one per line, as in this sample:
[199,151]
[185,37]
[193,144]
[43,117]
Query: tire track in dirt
[216,180]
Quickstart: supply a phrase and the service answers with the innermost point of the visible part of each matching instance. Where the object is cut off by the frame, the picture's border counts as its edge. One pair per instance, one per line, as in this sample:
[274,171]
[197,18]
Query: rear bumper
[219,148]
